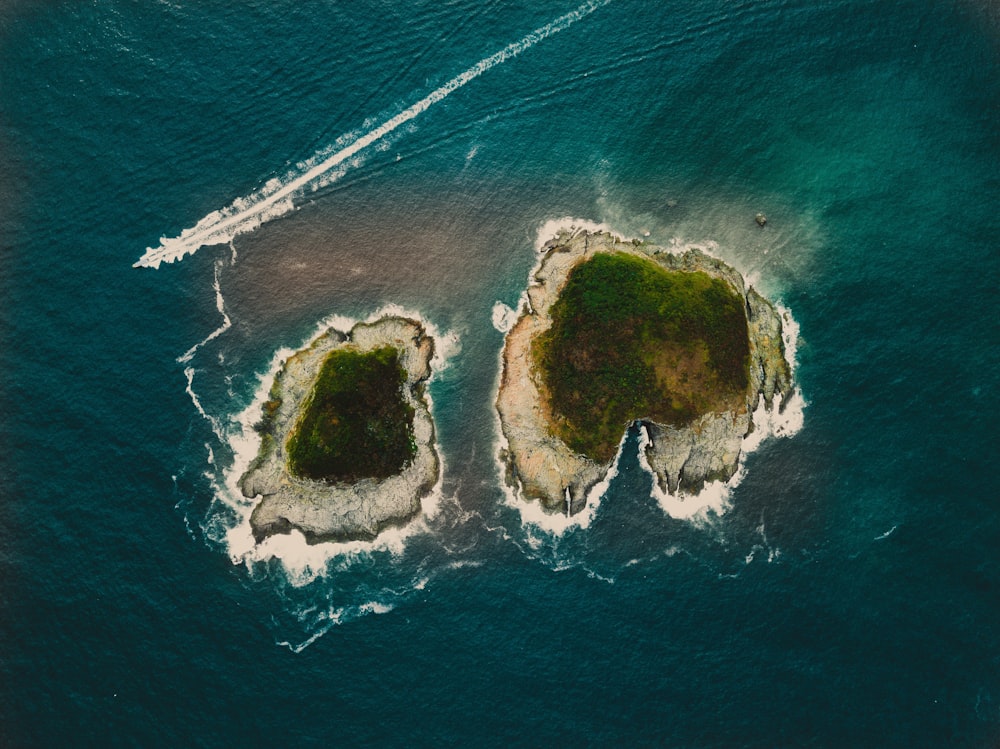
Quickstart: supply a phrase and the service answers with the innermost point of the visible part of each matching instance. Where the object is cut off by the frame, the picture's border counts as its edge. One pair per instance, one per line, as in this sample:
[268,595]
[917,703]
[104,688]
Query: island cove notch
[613,332]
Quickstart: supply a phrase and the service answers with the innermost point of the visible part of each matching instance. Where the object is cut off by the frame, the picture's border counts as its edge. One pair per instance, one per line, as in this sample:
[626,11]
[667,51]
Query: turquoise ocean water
[848,592]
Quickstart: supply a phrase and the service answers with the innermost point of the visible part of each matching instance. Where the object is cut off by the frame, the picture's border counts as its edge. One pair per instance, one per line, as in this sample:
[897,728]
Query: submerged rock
[330,510]
[541,466]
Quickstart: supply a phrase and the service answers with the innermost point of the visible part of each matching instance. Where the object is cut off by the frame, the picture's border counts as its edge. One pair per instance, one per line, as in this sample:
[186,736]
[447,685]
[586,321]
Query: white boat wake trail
[277,197]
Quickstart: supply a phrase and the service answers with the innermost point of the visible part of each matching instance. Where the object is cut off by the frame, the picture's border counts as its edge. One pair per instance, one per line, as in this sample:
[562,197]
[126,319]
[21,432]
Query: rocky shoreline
[539,466]
[324,511]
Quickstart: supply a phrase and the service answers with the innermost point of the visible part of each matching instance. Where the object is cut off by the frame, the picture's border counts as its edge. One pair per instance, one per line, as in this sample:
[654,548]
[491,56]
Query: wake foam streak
[277,199]
[187,356]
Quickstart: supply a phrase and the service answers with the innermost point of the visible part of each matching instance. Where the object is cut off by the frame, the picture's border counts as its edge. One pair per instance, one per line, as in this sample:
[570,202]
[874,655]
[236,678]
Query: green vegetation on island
[356,423]
[632,340]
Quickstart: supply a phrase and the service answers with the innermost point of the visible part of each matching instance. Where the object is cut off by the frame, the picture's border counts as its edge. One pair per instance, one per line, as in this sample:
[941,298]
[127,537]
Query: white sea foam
[277,197]
[883,536]
[714,496]
[503,317]
[567,224]
[189,389]
[556,524]
[789,335]
[458,564]
[331,621]
[324,621]
[220,305]
[375,607]
[787,416]
[188,355]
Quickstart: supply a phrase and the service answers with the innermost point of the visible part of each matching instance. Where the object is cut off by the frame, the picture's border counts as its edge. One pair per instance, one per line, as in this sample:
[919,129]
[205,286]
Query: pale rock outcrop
[335,511]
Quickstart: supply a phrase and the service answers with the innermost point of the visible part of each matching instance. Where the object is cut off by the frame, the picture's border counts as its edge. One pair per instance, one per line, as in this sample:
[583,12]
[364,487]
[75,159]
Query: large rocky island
[616,332]
[347,440]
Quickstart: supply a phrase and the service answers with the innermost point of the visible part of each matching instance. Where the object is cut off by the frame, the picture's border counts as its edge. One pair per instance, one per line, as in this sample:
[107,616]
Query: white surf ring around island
[304,562]
[782,420]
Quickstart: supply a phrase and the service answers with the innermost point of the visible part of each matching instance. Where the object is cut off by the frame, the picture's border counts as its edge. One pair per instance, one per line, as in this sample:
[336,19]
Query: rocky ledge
[325,511]
[542,467]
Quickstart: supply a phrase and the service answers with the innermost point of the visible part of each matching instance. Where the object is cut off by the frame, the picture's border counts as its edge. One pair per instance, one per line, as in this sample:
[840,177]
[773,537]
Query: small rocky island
[617,332]
[347,440]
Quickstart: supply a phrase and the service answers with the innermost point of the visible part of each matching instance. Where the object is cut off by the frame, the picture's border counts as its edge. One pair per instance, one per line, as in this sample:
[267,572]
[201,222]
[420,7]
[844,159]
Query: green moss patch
[356,423]
[629,340]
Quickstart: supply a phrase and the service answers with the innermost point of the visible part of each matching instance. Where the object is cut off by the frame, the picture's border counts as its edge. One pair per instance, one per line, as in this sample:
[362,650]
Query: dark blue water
[848,596]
